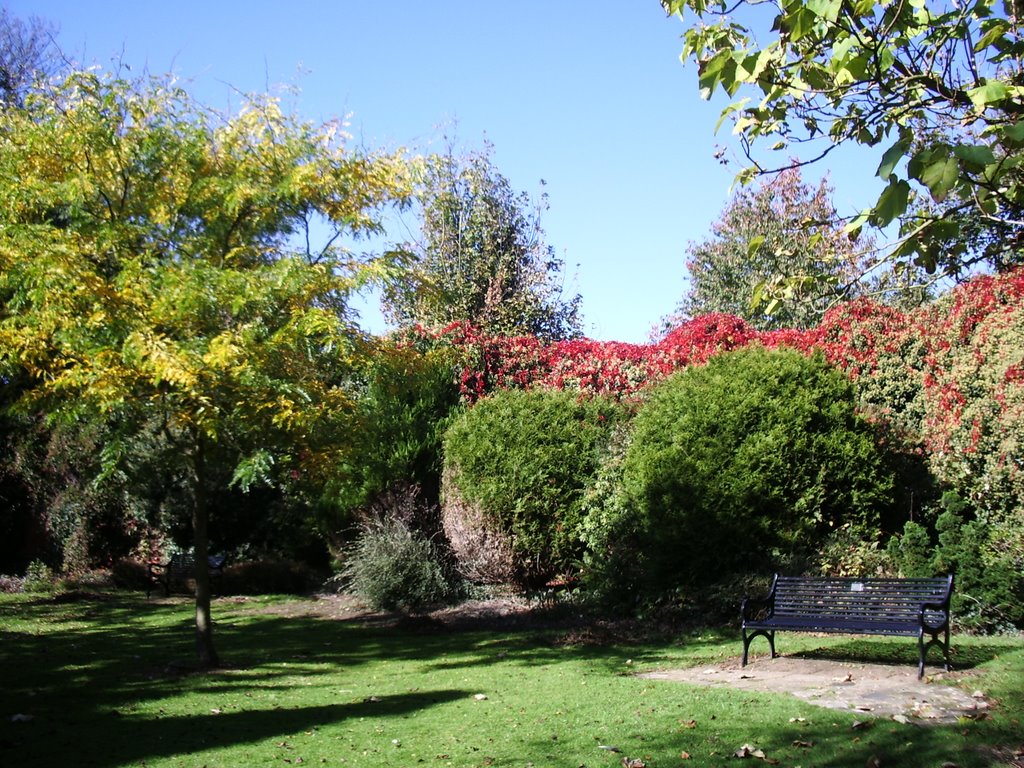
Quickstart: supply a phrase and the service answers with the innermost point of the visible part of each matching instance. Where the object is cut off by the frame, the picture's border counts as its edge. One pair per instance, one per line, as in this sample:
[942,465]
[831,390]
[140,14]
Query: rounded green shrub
[742,466]
[520,461]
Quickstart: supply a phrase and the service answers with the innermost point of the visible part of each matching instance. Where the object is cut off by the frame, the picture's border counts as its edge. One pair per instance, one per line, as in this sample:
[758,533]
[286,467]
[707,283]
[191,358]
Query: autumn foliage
[943,384]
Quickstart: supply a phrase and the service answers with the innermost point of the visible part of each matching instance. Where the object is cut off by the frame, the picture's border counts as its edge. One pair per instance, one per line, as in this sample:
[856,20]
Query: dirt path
[875,690]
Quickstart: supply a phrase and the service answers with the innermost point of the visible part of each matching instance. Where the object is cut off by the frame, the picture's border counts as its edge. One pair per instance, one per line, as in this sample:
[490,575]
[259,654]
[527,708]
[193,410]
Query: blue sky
[589,96]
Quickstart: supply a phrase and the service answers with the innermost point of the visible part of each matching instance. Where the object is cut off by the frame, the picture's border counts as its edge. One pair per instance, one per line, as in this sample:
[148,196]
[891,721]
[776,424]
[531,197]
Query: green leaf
[892,203]
[754,245]
[1014,133]
[854,227]
[940,176]
[995,29]
[736,106]
[719,70]
[974,154]
[990,93]
[798,21]
[757,297]
[891,158]
[825,9]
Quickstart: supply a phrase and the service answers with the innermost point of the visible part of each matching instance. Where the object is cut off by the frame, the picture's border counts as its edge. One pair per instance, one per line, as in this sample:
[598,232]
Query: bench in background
[900,607]
[180,570]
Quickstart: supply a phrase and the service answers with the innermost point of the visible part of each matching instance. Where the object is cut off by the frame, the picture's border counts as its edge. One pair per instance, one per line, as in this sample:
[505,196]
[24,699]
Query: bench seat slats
[877,606]
[840,625]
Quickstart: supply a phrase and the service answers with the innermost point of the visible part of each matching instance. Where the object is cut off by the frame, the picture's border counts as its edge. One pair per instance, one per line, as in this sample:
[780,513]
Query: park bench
[180,569]
[876,606]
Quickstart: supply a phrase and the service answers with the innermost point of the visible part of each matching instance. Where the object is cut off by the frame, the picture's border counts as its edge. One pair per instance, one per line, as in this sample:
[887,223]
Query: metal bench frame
[875,606]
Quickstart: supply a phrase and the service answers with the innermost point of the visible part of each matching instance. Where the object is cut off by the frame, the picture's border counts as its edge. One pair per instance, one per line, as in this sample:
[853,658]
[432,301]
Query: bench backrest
[870,599]
[183,564]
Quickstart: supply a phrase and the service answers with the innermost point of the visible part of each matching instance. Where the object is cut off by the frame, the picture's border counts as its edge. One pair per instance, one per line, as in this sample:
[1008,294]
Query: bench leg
[923,648]
[922,651]
[767,634]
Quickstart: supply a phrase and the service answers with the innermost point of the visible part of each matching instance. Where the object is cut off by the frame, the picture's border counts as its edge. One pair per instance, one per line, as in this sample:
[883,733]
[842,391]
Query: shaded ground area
[873,689]
[876,690]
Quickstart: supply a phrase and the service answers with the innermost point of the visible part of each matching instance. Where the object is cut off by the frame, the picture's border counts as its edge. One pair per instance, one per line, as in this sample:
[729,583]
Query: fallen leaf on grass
[974,716]
[480,696]
[684,755]
[749,750]
[862,725]
[804,744]
[608,747]
[688,723]
[633,762]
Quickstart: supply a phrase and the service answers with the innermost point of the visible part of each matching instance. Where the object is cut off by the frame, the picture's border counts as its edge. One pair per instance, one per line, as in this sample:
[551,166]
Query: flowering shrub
[974,395]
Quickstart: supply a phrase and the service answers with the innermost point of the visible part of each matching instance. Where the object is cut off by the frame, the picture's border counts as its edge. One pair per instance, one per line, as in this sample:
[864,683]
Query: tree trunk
[200,519]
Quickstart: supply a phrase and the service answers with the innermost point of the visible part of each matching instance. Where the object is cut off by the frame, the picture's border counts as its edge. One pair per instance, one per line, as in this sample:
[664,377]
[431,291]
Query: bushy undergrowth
[742,466]
[404,397]
[393,567]
[988,593]
[524,458]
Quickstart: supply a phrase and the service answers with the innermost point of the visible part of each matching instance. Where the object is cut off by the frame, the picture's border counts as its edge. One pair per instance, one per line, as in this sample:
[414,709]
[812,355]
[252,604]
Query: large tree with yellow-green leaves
[164,264]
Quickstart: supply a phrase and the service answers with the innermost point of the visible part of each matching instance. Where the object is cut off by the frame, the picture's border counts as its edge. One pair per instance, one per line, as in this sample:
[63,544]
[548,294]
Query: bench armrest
[757,608]
[934,608]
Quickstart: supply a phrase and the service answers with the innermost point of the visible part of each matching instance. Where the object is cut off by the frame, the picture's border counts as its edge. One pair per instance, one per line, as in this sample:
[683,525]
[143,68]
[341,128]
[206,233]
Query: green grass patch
[108,680]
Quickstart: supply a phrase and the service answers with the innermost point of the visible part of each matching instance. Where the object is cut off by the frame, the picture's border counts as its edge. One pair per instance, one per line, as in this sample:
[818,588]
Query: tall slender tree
[149,273]
[776,236]
[481,257]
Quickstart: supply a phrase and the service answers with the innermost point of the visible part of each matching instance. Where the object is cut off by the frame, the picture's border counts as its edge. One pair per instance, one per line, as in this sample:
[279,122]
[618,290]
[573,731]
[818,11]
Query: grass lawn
[106,680]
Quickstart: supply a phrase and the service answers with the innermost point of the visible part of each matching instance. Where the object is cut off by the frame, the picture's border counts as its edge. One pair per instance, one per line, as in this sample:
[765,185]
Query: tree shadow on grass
[114,739]
[97,674]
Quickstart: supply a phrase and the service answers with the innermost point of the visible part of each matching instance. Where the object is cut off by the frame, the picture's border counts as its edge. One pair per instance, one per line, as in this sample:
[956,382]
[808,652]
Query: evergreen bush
[523,459]
[744,465]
